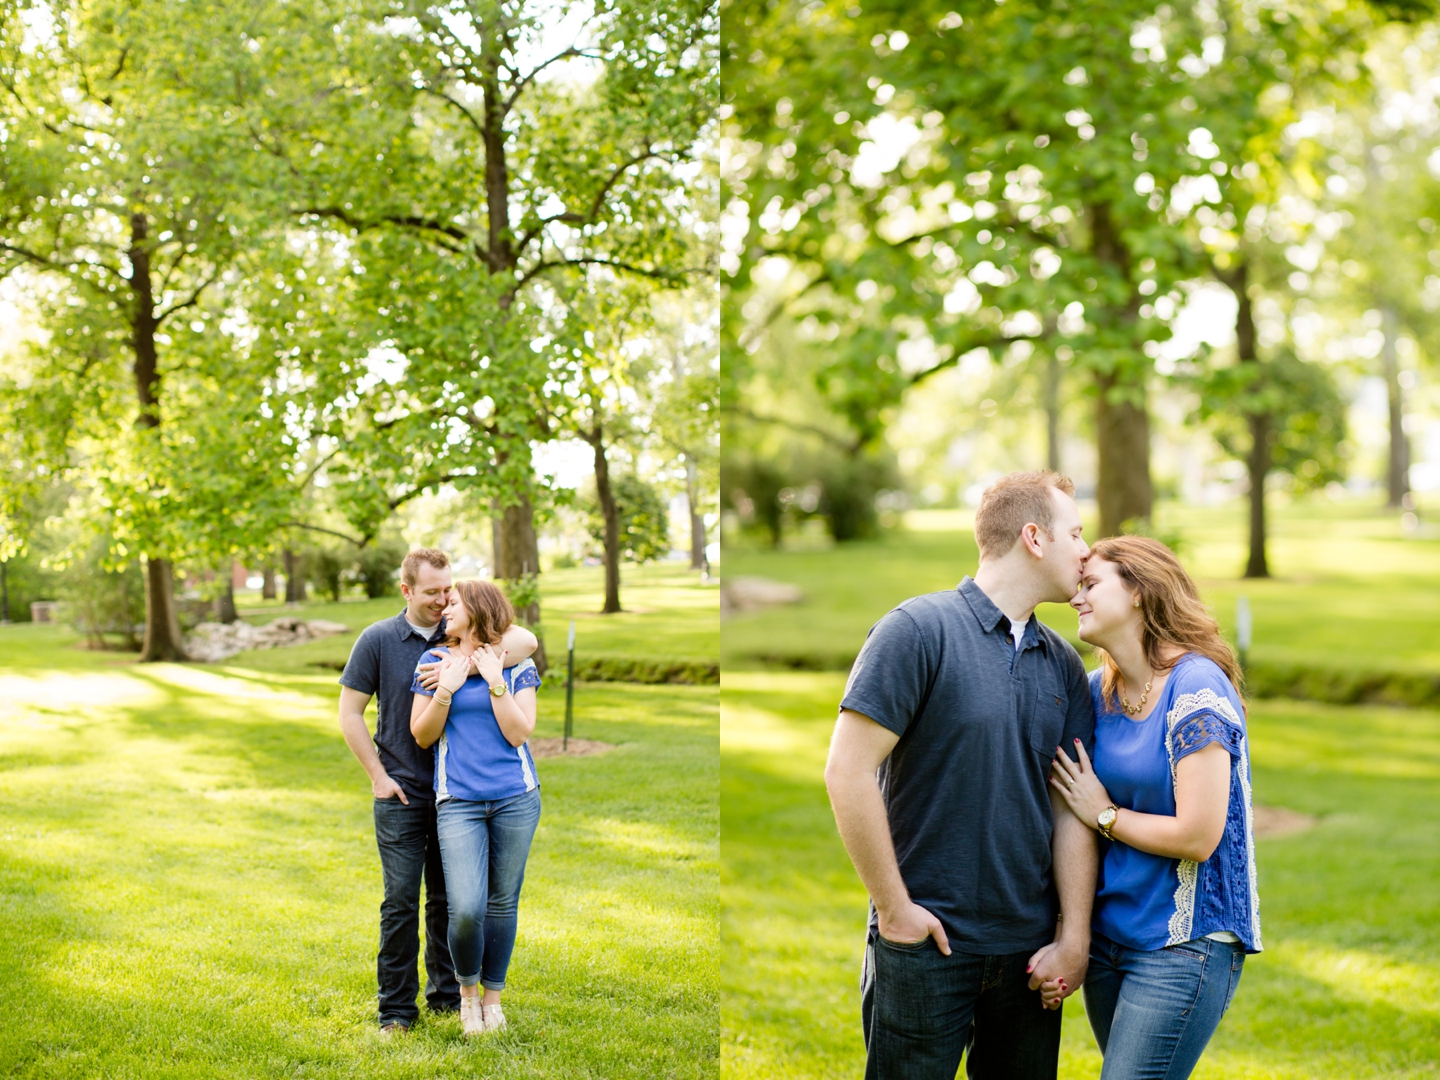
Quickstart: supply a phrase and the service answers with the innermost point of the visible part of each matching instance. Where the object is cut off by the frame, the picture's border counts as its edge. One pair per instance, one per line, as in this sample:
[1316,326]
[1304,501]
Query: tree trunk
[1257,463]
[497,538]
[1397,472]
[611,513]
[162,628]
[225,603]
[1122,435]
[294,577]
[1052,412]
[519,557]
[1122,424]
[697,517]
[267,587]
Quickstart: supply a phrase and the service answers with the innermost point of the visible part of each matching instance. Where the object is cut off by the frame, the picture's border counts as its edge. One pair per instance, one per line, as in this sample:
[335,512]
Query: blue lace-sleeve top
[473,759]
[1148,901]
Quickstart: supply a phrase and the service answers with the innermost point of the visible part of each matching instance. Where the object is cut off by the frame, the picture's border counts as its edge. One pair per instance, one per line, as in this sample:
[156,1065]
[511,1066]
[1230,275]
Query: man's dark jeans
[409,851]
[922,1010]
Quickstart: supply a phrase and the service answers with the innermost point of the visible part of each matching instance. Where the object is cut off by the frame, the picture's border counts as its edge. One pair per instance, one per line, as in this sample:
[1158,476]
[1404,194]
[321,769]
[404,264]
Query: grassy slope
[1348,587]
[1349,984]
[668,615]
[189,884]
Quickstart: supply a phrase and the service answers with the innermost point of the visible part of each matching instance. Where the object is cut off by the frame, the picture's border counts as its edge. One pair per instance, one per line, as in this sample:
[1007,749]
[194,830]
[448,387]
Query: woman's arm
[428,714]
[515,712]
[1202,798]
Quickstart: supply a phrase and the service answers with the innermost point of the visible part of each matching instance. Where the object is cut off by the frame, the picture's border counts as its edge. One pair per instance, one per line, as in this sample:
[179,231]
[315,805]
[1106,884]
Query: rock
[211,642]
[755,594]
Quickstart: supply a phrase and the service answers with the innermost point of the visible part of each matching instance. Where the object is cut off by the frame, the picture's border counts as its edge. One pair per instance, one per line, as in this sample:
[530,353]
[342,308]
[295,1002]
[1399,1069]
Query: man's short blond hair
[410,567]
[1014,501]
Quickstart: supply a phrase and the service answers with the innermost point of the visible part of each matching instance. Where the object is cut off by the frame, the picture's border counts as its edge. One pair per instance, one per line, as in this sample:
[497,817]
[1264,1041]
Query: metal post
[1242,630]
[569,692]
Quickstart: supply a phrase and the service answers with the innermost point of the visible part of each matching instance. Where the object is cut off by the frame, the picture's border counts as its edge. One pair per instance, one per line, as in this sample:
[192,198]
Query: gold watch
[499,691]
[1106,820]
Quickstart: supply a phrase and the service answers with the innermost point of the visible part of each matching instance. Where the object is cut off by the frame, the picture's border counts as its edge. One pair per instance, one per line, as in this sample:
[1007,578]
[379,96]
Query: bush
[379,567]
[101,602]
[26,582]
[644,522]
[327,570]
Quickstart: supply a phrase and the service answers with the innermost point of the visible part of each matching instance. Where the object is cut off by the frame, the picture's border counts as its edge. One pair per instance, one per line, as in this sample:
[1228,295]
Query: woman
[1177,909]
[486,793]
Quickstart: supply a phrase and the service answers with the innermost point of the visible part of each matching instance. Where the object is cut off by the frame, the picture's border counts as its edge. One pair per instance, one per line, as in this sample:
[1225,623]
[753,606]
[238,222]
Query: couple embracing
[1022,828]
[457,800]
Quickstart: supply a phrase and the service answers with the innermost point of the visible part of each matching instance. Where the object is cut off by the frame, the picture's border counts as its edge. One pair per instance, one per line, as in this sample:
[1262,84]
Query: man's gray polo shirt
[966,786]
[382,663]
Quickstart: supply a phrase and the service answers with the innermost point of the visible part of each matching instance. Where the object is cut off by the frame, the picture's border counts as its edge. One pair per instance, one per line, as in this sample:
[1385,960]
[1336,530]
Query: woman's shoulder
[516,670]
[1200,682]
[439,652]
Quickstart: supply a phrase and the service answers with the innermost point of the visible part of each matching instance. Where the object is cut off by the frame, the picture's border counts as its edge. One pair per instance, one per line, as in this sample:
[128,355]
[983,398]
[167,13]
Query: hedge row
[1335,685]
[624,669]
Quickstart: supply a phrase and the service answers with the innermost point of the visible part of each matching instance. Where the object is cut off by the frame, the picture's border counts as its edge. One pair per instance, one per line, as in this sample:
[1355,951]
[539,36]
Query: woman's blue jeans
[484,846]
[1153,1012]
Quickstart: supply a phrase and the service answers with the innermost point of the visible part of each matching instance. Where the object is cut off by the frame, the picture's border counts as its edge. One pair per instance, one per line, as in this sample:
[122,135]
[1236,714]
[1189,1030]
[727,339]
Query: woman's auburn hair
[1172,613]
[488,609]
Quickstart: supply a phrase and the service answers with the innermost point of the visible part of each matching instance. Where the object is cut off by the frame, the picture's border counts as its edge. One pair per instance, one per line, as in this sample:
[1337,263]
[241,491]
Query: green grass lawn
[1350,588]
[1349,984]
[189,885]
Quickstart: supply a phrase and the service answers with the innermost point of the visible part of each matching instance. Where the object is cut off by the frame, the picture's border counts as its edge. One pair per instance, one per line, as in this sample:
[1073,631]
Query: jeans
[922,1010]
[485,845]
[1154,1011]
[410,850]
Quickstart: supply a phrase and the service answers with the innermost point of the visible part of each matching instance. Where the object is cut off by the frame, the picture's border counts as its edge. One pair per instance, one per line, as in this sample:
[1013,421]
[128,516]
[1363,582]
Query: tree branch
[850,446]
[317,528]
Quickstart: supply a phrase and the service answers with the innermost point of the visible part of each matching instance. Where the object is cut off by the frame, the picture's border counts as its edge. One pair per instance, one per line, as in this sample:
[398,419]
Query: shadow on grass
[1350,985]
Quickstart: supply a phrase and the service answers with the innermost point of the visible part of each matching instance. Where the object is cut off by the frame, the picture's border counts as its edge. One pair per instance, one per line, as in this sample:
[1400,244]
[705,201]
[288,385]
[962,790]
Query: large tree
[125,199]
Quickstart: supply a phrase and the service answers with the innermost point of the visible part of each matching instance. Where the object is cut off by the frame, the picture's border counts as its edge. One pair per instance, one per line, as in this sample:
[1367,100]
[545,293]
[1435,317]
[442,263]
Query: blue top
[473,759]
[382,664]
[965,787]
[1148,901]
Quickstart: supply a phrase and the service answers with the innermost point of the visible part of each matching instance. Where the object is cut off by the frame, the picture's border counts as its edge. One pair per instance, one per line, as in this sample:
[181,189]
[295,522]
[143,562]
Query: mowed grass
[669,614]
[1350,587]
[1349,983]
[189,886]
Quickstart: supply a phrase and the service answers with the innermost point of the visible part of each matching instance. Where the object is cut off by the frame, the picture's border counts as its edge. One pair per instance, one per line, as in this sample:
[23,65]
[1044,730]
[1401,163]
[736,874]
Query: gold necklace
[1134,710]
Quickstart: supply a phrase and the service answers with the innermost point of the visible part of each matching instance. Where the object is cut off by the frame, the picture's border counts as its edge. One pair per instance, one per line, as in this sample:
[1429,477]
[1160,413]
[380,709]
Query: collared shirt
[382,663]
[966,787]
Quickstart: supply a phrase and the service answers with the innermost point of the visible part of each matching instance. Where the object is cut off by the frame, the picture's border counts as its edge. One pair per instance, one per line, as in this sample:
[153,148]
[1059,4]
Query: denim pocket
[1195,952]
[902,946]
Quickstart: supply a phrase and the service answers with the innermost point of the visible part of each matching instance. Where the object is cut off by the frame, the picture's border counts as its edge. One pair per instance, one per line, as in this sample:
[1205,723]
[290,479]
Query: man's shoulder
[933,608]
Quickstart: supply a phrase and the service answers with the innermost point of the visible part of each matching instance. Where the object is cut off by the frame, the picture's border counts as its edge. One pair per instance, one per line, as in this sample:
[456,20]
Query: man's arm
[857,748]
[1075,860]
[518,642]
[357,737]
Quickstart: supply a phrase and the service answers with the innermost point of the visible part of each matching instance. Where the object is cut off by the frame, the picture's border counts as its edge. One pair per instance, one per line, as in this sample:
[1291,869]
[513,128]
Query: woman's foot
[493,1017]
[472,1017]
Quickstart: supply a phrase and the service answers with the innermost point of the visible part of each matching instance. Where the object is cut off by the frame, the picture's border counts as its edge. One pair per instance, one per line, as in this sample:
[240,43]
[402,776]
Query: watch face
[1107,816]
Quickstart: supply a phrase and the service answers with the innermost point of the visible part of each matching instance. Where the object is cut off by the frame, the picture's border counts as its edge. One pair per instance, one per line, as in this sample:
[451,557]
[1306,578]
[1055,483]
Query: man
[959,700]
[382,663]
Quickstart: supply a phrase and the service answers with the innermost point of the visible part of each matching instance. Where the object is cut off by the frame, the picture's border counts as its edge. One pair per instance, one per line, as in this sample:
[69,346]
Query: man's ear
[1030,537]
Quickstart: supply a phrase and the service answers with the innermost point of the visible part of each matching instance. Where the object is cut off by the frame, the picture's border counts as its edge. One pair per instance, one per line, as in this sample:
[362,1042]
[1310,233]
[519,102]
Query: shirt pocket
[1045,726]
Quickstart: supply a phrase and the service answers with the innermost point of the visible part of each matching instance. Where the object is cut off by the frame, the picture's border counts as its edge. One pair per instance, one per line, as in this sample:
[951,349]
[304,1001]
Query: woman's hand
[489,663]
[1079,786]
[454,670]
